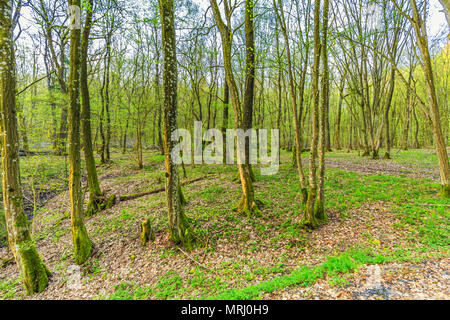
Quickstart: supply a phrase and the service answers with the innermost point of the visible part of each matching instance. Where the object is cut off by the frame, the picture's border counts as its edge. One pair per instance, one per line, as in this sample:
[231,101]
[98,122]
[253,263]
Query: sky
[437,19]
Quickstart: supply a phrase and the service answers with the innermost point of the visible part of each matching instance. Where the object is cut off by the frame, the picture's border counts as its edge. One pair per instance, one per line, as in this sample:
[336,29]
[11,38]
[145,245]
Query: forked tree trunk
[247,203]
[178,223]
[82,245]
[32,270]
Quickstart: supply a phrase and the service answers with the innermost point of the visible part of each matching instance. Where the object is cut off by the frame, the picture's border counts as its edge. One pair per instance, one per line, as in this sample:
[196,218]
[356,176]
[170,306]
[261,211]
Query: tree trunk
[320,212]
[309,218]
[421,36]
[81,243]
[178,223]
[94,204]
[247,204]
[32,270]
[249,89]
[297,121]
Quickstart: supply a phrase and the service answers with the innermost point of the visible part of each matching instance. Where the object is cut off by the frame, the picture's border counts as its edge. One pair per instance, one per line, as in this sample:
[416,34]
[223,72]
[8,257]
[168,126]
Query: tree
[95,201]
[309,218]
[81,243]
[297,122]
[247,203]
[180,231]
[319,210]
[33,271]
[418,23]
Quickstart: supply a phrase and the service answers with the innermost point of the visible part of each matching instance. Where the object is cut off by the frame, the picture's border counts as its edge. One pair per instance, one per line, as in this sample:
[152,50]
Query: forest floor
[387,236]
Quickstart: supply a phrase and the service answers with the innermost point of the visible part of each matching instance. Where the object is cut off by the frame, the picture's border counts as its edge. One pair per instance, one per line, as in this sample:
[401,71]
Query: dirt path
[428,280]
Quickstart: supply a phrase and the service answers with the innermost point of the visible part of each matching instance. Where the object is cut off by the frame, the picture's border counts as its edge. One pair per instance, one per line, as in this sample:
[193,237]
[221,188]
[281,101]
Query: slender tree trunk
[386,114]
[249,89]
[337,133]
[421,36]
[226,101]
[297,121]
[320,212]
[309,218]
[81,243]
[94,203]
[32,270]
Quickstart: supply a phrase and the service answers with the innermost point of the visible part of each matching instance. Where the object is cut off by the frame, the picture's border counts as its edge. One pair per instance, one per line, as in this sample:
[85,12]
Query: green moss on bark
[82,245]
[445,191]
[110,202]
[183,234]
[147,232]
[319,212]
[34,273]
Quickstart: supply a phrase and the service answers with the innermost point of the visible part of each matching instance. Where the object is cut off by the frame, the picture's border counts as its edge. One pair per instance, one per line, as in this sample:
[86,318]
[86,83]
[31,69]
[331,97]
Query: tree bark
[81,243]
[180,231]
[422,41]
[247,204]
[94,203]
[33,271]
[319,209]
[309,218]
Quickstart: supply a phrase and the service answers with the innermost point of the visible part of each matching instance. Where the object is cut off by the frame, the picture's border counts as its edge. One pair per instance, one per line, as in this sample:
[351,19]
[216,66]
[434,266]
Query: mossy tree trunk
[180,231]
[249,89]
[82,245]
[95,194]
[247,204]
[33,271]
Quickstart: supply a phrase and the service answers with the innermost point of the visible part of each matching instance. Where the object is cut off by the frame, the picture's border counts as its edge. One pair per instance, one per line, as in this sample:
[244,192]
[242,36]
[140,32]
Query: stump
[147,232]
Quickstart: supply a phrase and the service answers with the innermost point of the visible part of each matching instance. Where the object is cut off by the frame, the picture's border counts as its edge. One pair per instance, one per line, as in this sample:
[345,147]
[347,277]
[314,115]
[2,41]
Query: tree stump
[147,232]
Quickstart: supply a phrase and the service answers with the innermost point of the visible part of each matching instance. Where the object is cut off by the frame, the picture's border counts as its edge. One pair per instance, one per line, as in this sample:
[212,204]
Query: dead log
[157,190]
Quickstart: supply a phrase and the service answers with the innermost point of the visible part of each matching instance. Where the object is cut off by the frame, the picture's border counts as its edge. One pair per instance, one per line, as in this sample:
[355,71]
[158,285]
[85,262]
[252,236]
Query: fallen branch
[192,259]
[434,205]
[5,262]
[158,190]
